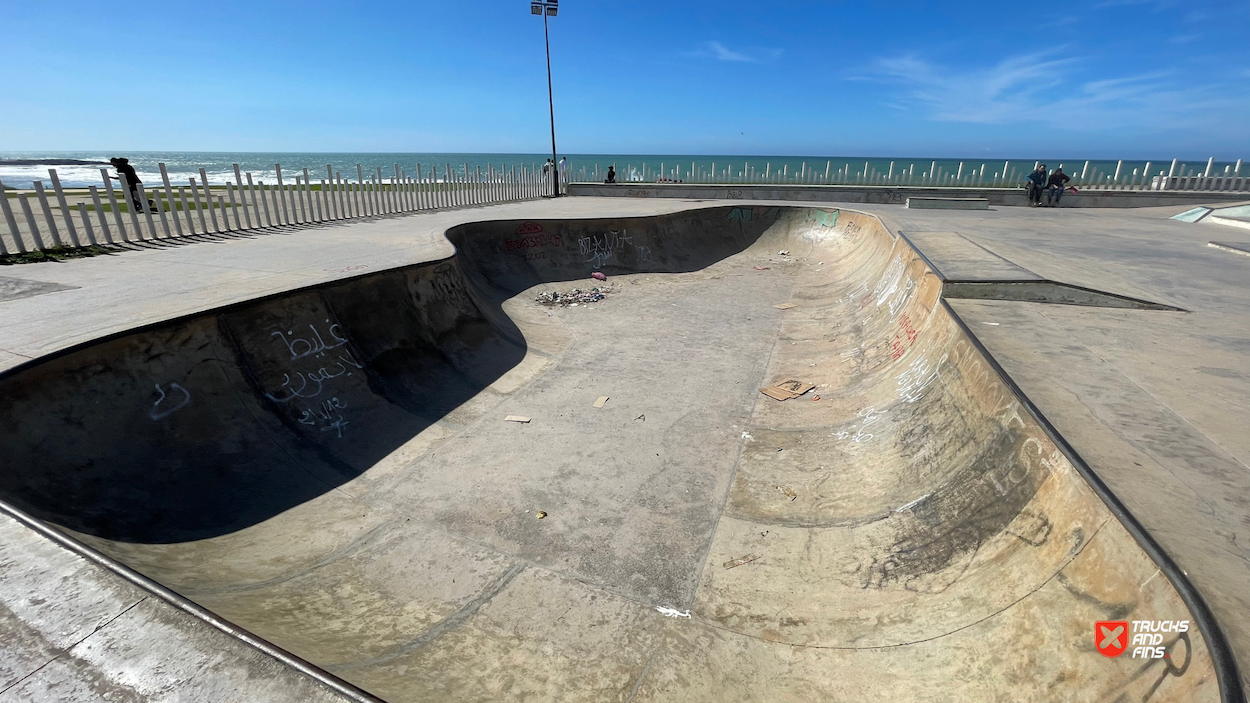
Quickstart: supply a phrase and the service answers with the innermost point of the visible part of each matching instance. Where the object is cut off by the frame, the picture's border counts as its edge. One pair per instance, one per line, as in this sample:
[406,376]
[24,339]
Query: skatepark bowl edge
[331,469]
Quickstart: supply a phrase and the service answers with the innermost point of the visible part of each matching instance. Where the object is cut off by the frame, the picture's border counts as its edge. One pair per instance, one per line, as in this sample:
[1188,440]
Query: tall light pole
[549,8]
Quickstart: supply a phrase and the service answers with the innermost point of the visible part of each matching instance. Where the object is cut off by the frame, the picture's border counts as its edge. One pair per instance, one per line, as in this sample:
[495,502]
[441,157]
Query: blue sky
[1096,79]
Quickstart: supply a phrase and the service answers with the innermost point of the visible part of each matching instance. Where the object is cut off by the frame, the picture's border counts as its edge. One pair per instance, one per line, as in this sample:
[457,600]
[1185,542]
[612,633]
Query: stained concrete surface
[1157,402]
[74,632]
[14,288]
[881,568]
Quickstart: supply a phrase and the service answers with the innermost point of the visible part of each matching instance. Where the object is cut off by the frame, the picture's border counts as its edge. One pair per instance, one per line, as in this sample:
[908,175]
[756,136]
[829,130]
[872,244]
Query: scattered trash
[785,306]
[573,297]
[815,398]
[740,561]
[747,436]
[672,612]
[995,324]
[541,514]
[603,399]
[761,268]
[784,252]
[785,390]
[788,492]
[516,418]
[641,417]
[779,448]
[599,276]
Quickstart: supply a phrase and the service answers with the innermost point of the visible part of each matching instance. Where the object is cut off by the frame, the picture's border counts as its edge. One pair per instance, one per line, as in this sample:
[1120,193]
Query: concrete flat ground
[1152,400]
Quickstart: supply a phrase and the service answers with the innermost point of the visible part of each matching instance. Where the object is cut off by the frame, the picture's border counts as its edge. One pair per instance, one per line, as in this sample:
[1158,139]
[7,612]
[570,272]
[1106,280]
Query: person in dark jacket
[1037,184]
[611,175]
[1055,185]
[122,164]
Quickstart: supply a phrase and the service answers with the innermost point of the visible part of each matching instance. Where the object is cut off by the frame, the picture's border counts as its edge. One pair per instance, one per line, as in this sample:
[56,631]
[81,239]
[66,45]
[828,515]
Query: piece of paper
[787,389]
[516,418]
[785,306]
[603,399]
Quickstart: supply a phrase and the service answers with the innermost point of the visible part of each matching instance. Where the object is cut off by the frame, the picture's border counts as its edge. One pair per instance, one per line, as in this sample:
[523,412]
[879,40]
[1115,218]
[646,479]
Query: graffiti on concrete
[299,347]
[604,247]
[326,412]
[823,218]
[180,399]
[920,374]
[855,431]
[310,385]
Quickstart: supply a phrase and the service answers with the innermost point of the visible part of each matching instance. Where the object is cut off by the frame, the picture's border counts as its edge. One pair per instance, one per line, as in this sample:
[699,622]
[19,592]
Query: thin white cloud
[720,52]
[1041,87]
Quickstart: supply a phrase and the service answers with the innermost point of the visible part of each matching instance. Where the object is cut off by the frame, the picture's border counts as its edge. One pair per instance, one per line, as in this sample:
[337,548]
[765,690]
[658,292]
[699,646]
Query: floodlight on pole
[549,8]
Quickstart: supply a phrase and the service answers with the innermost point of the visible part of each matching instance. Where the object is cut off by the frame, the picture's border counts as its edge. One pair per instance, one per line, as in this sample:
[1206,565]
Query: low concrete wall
[894,194]
[948,203]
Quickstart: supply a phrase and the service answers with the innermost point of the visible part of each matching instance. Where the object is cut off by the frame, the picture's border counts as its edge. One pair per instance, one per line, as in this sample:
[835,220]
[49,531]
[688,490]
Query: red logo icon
[1111,637]
[529,228]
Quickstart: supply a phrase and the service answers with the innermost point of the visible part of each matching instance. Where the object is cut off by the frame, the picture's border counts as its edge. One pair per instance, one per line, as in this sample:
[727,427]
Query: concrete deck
[1153,400]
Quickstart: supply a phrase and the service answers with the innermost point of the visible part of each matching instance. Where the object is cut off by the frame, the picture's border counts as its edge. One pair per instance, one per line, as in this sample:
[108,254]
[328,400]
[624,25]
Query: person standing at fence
[1055,185]
[564,173]
[122,164]
[1037,184]
[611,175]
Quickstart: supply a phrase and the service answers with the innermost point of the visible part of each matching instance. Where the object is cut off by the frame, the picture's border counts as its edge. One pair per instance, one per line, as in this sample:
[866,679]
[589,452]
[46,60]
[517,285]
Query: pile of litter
[573,297]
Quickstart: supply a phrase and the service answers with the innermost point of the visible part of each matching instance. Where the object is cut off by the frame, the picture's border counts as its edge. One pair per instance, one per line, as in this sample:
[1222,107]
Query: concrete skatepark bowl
[330,469]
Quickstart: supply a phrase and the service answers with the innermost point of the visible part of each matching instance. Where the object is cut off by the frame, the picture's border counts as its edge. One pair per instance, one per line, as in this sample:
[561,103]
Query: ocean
[219,166]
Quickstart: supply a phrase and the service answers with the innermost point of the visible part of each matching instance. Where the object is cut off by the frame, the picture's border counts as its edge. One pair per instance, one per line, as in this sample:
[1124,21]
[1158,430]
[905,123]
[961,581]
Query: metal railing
[1006,174]
[40,220]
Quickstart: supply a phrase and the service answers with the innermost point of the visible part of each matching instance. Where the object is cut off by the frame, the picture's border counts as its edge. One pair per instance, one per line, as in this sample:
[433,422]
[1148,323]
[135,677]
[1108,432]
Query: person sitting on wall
[611,175]
[1037,184]
[1055,186]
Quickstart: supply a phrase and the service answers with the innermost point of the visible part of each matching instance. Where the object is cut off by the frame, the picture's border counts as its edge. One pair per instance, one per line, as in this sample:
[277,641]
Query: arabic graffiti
[309,385]
[324,412]
[918,377]
[156,413]
[319,376]
[300,347]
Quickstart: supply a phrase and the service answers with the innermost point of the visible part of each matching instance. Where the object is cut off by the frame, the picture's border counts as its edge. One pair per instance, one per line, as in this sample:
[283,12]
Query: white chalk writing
[156,413]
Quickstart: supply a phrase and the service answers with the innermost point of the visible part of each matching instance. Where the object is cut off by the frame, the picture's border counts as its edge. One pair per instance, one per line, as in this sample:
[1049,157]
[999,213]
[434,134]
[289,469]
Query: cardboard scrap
[740,561]
[785,306]
[603,400]
[760,268]
[516,418]
[787,389]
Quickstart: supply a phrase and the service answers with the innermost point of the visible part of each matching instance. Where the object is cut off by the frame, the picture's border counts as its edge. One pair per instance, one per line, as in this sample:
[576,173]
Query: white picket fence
[966,175]
[85,217]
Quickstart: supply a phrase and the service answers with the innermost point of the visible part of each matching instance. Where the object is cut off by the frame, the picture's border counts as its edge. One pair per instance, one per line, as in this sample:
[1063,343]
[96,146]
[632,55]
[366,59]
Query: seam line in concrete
[70,648]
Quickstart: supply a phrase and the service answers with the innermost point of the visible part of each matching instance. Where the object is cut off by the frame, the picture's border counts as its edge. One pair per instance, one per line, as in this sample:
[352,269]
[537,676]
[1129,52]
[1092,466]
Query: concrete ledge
[1229,221]
[948,204]
[894,194]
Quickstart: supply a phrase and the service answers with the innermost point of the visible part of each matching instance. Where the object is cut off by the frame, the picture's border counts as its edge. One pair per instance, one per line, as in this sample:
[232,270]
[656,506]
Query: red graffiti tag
[541,240]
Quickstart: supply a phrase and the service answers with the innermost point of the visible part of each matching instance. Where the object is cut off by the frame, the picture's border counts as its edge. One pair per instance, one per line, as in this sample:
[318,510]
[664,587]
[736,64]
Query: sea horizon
[219,165]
